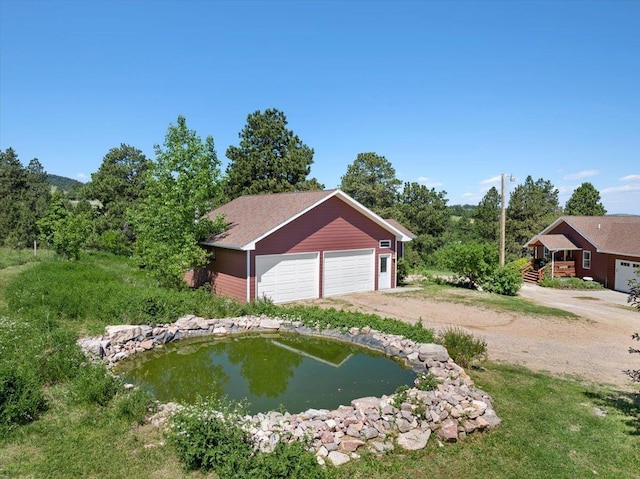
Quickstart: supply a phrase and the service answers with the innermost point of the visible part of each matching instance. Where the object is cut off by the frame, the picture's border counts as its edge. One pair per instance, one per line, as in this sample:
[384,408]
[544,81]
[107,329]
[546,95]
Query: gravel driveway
[593,347]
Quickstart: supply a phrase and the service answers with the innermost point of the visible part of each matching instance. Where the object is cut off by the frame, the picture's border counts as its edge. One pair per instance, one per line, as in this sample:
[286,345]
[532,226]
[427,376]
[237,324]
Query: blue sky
[452,93]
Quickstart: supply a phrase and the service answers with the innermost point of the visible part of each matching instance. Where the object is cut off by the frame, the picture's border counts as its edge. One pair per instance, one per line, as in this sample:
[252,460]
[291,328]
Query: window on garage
[586,259]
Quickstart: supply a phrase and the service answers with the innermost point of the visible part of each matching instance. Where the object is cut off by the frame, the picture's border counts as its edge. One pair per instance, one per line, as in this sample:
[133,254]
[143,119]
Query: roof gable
[251,218]
[608,234]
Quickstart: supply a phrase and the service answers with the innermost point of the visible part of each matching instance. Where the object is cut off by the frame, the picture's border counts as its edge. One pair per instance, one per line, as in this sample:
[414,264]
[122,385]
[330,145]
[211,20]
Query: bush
[207,436]
[95,385]
[134,405]
[289,461]
[505,280]
[568,283]
[402,271]
[475,261]
[21,397]
[463,347]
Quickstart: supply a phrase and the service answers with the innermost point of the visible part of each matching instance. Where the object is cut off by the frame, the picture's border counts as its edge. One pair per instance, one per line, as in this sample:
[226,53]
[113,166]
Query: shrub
[568,283]
[402,270]
[504,280]
[289,461]
[134,405]
[95,385]
[475,261]
[21,397]
[426,382]
[207,436]
[463,347]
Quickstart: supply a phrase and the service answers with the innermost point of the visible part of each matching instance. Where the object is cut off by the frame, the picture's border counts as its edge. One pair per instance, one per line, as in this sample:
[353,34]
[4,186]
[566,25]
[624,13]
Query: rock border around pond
[453,409]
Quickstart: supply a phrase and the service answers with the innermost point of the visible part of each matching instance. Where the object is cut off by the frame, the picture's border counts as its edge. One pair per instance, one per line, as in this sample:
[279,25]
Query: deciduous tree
[371,180]
[269,159]
[585,201]
[181,187]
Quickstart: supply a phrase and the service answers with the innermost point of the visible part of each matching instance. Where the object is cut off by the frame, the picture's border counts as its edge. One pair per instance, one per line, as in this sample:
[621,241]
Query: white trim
[249,276]
[389,271]
[586,251]
[385,241]
[347,199]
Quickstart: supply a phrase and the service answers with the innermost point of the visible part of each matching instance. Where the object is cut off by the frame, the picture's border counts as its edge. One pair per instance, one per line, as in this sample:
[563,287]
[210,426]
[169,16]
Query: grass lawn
[551,427]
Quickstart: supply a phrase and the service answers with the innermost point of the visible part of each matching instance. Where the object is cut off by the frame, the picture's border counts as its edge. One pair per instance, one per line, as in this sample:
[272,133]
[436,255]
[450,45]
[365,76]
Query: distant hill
[62,182]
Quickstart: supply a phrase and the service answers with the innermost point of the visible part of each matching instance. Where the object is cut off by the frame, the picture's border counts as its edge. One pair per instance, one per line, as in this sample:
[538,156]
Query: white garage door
[288,277]
[348,271]
[625,270]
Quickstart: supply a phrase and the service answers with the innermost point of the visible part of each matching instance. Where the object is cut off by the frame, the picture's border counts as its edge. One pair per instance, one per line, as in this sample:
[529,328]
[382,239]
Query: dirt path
[594,347]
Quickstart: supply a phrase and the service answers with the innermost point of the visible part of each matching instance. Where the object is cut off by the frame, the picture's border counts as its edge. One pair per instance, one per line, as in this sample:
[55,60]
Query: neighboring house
[605,248]
[304,245]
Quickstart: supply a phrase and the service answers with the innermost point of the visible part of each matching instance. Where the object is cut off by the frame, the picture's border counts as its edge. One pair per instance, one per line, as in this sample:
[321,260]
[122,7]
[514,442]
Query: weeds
[463,347]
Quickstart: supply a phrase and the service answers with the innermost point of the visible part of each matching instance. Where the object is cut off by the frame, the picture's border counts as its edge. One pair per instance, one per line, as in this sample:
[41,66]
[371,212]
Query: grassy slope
[549,430]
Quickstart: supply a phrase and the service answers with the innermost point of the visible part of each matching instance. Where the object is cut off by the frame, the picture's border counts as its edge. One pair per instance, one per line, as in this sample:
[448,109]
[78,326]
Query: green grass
[570,283]
[447,293]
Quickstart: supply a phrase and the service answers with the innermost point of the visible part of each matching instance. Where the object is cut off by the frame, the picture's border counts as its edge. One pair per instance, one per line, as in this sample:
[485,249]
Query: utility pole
[503,219]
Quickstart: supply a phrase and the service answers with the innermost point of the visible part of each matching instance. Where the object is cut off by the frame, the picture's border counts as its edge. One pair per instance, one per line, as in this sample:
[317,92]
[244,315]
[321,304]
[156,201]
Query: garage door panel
[348,271]
[625,271]
[288,277]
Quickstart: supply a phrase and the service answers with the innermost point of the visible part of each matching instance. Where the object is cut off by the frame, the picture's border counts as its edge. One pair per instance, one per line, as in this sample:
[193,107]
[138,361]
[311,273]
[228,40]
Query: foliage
[269,159]
[634,299]
[532,207]
[63,183]
[94,384]
[463,347]
[424,212]
[118,184]
[585,201]
[567,283]
[181,187]
[290,461]
[371,180]
[505,280]
[207,436]
[486,218]
[475,261]
[21,398]
[134,405]
[400,396]
[402,271]
[426,382]
[24,199]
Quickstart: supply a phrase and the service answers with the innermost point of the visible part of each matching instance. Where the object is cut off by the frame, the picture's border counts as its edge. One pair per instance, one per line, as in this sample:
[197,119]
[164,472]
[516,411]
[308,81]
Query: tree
[424,212]
[486,218]
[24,198]
[585,201]
[532,207]
[119,184]
[269,159]
[475,261]
[371,180]
[181,187]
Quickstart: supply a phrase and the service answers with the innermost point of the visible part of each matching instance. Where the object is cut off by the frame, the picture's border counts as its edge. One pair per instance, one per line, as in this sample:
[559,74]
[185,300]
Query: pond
[271,371]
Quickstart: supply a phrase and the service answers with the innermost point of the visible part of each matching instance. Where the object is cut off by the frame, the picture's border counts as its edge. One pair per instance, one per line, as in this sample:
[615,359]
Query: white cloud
[582,174]
[81,176]
[468,195]
[423,180]
[620,189]
[566,189]
[630,178]
[493,179]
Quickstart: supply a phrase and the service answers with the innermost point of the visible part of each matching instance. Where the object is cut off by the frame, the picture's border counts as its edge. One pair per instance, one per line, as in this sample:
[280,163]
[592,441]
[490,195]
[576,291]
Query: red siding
[331,226]
[228,273]
[603,265]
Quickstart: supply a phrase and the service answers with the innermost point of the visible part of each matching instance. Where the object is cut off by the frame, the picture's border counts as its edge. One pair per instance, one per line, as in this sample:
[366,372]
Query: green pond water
[269,370]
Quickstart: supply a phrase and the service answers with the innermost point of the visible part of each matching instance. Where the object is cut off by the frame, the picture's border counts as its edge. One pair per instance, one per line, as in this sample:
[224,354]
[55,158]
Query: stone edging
[452,410]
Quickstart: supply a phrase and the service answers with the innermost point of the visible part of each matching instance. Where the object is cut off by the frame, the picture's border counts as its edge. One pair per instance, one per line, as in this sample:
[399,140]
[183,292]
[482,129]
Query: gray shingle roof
[252,217]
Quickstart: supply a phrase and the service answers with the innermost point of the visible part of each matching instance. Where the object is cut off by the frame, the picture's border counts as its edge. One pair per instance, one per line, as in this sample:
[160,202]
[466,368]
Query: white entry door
[384,271]
[625,271]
